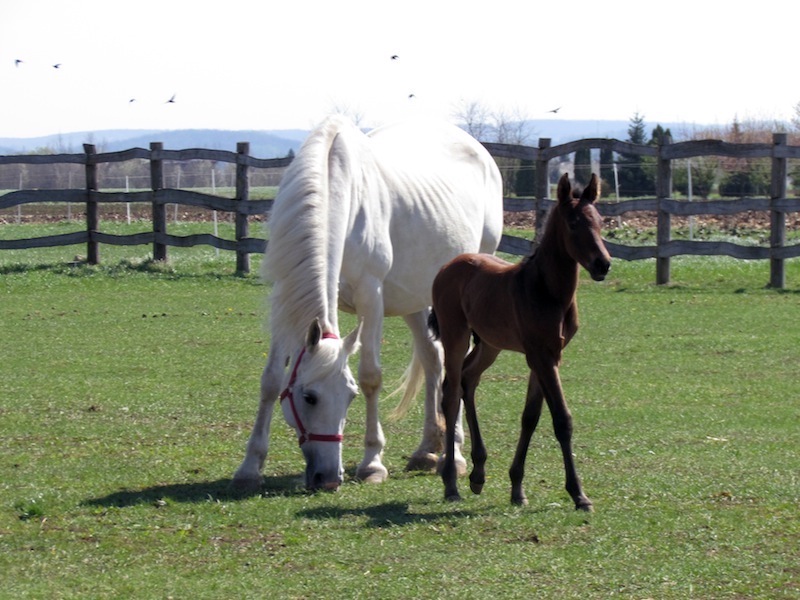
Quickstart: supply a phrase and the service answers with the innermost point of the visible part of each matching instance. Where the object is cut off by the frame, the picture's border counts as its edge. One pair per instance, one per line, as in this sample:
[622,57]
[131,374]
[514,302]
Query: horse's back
[443,195]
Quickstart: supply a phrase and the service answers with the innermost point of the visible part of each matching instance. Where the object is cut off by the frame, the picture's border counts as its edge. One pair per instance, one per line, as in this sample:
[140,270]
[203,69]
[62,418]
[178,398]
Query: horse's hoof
[585,506]
[519,500]
[452,497]
[372,474]
[424,461]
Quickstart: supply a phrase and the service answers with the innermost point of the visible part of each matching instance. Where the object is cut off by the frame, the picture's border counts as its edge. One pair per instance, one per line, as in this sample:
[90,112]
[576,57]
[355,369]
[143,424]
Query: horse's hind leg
[530,419]
[480,359]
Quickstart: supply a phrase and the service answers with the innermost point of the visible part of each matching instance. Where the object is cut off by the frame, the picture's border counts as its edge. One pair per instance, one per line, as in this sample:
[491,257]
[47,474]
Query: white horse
[363,223]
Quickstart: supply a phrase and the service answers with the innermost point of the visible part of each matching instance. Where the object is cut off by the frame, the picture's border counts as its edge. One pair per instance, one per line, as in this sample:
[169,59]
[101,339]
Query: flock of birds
[19,61]
[394,57]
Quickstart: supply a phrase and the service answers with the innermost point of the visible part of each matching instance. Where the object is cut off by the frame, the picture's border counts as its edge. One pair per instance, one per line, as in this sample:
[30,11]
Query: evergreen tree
[583,165]
[636,173]
[525,183]
[607,171]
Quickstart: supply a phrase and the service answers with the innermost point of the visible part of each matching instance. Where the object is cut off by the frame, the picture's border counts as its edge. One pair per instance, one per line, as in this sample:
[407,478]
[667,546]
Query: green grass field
[127,392]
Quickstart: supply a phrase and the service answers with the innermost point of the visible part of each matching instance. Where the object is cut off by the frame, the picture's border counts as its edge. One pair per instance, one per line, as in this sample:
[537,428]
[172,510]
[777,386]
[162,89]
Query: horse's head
[582,232]
[315,402]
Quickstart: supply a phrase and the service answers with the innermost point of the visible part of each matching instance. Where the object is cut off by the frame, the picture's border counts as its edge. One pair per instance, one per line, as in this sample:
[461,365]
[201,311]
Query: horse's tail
[413,378]
[410,385]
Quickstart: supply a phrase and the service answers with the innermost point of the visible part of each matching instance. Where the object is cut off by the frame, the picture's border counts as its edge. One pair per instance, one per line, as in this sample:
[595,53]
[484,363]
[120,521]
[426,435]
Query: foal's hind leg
[429,353]
[480,359]
[530,419]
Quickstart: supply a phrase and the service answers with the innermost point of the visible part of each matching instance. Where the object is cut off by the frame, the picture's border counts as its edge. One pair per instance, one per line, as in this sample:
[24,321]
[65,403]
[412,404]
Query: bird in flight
[555,110]
[17,62]
[395,57]
[171,100]
[57,66]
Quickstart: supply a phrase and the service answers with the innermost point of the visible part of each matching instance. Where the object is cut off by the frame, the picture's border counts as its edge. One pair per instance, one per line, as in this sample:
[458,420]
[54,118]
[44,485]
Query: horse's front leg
[370,380]
[248,475]
[562,425]
[429,354]
[530,419]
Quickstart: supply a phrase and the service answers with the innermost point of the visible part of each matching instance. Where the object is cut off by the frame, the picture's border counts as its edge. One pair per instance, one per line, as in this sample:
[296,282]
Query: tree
[582,169]
[607,171]
[504,127]
[637,173]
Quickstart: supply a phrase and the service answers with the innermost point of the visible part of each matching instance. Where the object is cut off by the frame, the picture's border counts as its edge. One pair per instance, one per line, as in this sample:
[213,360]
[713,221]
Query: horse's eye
[310,399]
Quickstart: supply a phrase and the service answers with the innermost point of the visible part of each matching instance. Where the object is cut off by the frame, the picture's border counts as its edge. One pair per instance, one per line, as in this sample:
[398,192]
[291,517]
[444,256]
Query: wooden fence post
[92,217]
[777,234]
[159,208]
[664,222]
[242,197]
[542,187]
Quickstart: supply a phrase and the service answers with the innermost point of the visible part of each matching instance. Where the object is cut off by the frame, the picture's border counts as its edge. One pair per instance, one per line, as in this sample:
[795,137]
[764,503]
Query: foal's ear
[353,340]
[564,191]
[592,191]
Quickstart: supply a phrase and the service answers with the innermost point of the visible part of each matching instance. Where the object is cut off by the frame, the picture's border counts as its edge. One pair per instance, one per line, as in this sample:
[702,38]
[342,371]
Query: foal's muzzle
[599,268]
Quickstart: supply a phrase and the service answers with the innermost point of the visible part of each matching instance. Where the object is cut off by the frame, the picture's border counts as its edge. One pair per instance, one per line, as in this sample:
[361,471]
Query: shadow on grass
[383,515]
[201,491]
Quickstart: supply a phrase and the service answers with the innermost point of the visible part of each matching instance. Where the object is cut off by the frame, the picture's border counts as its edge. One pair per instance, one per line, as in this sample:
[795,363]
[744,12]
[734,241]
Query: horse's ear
[314,334]
[564,192]
[592,191]
[353,340]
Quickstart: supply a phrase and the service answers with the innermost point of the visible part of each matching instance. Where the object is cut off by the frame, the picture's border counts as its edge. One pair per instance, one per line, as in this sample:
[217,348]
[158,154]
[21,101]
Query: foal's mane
[296,259]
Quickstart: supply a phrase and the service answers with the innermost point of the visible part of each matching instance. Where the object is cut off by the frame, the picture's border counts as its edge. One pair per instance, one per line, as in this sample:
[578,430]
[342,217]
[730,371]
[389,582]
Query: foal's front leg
[530,419]
[562,425]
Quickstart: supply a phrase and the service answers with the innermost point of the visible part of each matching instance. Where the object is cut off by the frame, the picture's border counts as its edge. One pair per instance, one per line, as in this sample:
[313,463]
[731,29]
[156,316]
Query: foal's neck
[553,265]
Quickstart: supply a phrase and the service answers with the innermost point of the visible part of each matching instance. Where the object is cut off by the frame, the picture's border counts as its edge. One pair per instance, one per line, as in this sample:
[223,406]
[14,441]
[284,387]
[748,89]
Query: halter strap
[306,436]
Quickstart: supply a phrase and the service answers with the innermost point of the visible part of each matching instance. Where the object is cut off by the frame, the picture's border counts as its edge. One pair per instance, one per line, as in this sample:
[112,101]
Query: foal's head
[581,227]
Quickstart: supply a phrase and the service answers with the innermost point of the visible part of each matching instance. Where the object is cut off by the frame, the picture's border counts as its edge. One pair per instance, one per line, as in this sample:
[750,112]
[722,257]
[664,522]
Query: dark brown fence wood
[663,205]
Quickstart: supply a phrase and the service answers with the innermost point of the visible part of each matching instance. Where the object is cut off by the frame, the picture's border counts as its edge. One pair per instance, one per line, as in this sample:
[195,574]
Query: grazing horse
[529,307]
[363,223]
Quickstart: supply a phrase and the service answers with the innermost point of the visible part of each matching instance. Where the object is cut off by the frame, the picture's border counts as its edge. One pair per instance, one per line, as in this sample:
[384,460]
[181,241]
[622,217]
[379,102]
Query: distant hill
[263,144]
[278,143]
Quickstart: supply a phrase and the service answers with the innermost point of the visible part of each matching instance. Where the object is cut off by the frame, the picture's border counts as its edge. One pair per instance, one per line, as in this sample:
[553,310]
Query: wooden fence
[242,207]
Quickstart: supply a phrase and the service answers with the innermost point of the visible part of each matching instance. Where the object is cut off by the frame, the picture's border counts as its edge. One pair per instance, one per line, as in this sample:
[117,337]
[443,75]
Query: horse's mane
[296,257]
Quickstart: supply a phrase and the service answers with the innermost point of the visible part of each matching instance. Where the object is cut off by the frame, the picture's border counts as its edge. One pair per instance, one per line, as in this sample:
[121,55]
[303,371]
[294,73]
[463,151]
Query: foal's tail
[413,378]
[433,325]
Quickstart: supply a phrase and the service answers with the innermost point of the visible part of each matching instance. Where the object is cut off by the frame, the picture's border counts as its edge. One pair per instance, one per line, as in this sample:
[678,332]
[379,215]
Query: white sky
[279,64]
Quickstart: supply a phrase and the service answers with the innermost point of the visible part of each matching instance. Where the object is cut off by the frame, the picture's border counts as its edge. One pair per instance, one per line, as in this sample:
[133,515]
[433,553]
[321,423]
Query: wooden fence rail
[243,208]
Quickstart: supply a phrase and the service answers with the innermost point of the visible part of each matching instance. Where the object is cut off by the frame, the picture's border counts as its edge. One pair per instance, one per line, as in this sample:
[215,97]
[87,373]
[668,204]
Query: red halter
[306,436]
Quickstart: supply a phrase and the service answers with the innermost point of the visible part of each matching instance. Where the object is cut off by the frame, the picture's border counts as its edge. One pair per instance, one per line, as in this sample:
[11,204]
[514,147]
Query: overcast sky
[268,64]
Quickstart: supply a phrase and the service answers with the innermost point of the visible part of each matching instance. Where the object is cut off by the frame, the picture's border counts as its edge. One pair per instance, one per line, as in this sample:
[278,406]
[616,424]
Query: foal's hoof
[519,500]
[423,461]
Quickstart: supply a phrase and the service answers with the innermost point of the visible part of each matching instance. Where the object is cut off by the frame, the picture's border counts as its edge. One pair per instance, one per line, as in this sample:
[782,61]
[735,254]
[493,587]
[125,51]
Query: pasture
[127,393]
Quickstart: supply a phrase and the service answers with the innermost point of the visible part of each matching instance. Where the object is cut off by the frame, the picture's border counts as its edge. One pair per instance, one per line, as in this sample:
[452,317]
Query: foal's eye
[310,399]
